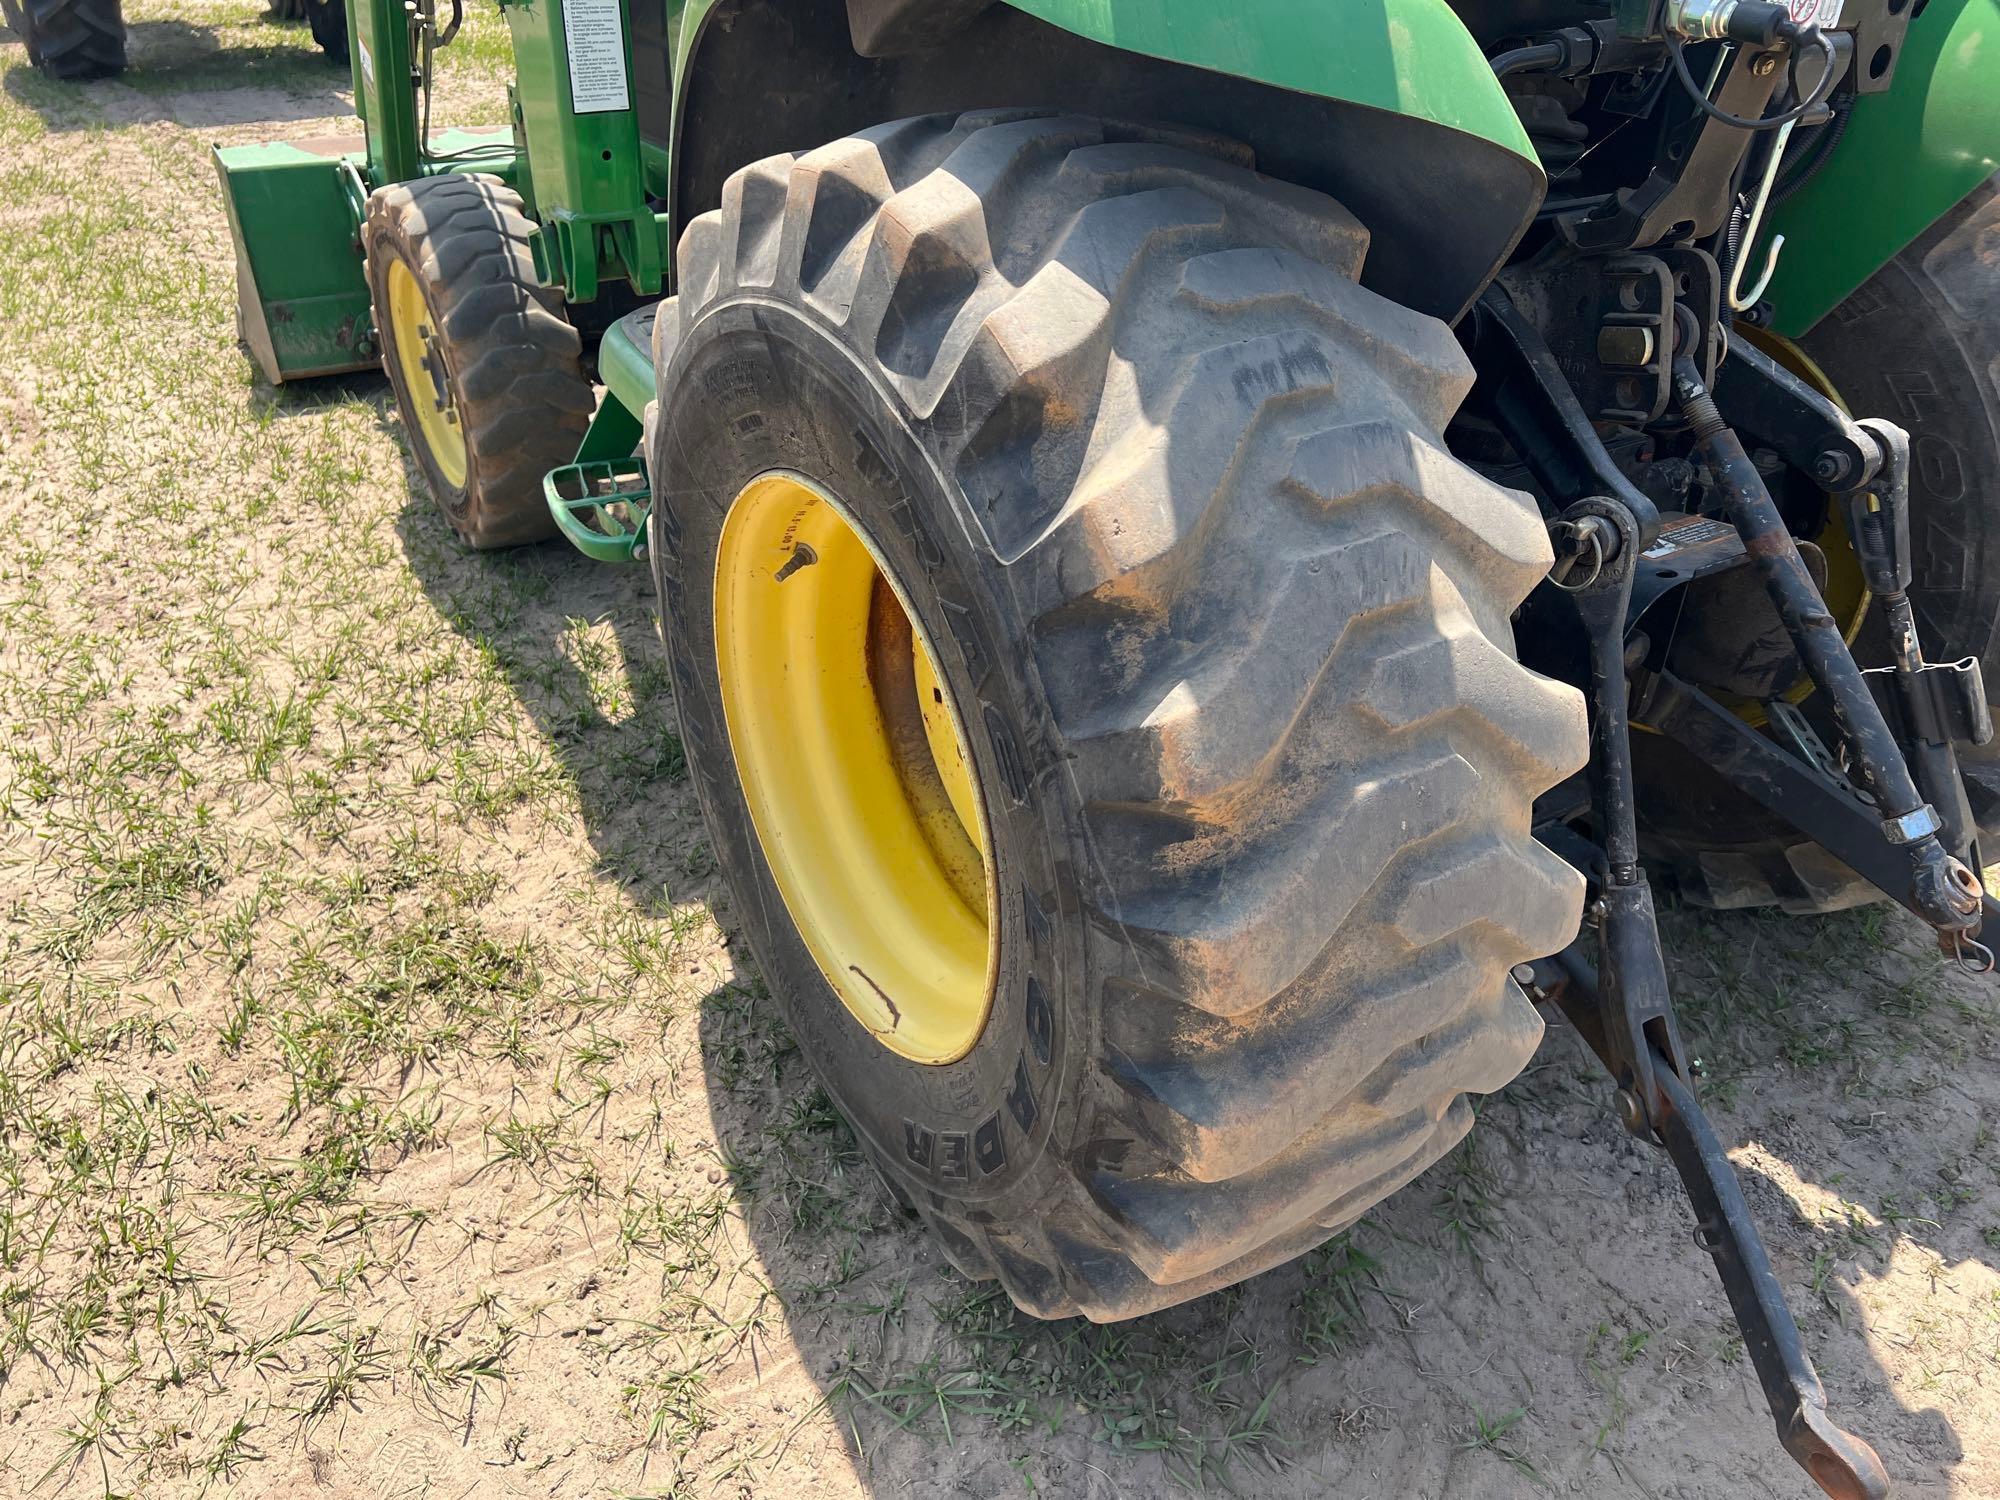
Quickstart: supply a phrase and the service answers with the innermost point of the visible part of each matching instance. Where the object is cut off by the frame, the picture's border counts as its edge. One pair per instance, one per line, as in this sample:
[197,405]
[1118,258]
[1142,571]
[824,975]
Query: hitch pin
[1740,300]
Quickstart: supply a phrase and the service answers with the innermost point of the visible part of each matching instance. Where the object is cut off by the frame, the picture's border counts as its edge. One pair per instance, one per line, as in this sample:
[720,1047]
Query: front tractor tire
[1100,419]
[326,19]
[486,370]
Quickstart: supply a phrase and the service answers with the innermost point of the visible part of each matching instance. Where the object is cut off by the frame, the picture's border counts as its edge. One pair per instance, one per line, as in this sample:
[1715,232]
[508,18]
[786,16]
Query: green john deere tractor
[1210,553]
[81,39]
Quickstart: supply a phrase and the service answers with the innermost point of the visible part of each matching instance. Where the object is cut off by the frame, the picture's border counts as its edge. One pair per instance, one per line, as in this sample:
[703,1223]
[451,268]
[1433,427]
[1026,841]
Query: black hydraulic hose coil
[1820,152]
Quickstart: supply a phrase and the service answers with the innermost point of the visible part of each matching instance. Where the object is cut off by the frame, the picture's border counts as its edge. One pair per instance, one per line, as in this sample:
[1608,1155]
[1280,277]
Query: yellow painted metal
[947,748]
[852,759]
[421,365]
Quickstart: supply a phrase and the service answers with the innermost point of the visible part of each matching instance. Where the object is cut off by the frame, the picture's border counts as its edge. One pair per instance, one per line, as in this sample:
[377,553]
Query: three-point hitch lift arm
[1900,819]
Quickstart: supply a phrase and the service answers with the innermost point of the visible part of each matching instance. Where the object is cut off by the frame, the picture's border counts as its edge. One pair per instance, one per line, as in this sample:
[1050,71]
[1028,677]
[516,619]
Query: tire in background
[511,362]
[72,40]
[1231,629]
[17,22]
[1919,344]
[327,20]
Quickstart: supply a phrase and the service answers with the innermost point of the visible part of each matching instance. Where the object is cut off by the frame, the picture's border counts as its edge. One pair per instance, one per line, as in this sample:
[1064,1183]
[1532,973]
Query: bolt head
[1764,65]
[1830,468]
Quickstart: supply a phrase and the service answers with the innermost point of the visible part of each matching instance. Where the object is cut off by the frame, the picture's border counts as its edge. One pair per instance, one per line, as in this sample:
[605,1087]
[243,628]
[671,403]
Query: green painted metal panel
[627,369]
[1909,155]
[1413,57]
[384,97]
[302,301]
[294,211]
[586,180]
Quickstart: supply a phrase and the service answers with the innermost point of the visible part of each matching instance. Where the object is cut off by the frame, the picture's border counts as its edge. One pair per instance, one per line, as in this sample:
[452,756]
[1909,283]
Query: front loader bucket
[301,297]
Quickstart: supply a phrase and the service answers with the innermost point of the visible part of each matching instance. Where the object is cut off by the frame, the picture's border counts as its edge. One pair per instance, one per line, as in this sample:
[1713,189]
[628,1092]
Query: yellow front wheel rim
[421,364]
[852,758]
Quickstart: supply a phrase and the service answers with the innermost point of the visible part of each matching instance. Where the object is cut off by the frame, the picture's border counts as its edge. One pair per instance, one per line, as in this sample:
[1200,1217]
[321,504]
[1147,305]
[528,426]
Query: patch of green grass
[1498,1435]
[1467,1187]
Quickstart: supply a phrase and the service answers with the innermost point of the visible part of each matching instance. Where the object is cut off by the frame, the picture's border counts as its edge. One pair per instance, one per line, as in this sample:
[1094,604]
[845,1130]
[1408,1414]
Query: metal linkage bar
[1946,893]
[1840,1463]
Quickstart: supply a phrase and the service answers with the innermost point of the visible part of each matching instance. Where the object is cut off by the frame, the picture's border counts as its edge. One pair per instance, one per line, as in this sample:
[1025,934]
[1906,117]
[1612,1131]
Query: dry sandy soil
[385,1109]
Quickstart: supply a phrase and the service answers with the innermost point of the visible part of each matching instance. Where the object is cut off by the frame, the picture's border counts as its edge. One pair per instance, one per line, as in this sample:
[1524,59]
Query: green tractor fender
[1908,157]
[1412,57]
[1388,105]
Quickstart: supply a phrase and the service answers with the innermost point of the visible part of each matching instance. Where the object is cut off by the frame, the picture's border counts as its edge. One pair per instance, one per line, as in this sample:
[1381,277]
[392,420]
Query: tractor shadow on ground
[181,71]
[1545,1270]
[577,643]
[1529,1313]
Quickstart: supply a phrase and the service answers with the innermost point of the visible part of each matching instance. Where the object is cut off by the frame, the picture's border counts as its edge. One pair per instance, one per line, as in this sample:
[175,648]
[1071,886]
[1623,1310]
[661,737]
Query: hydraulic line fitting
[1754,21]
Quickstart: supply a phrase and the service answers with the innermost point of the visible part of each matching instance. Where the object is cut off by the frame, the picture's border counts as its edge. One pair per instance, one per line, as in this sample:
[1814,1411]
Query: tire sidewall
[23,26]
[756,387]
[1891,350]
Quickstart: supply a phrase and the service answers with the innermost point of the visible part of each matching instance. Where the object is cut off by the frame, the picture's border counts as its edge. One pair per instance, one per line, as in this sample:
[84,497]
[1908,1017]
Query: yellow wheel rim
[852,758]
[421,363]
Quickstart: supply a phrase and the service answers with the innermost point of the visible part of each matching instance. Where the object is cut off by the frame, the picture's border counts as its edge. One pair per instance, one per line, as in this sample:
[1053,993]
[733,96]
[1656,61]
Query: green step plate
[601,506]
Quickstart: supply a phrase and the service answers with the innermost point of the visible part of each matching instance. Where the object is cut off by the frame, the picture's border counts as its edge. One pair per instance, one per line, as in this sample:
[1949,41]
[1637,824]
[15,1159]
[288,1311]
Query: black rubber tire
[512,361]
[327,20]
[1166,488]
[1918,343]
[17,22]
[72,40]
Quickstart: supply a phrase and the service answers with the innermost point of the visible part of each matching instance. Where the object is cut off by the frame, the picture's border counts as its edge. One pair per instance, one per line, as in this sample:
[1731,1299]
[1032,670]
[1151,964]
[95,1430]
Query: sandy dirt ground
[386,1110]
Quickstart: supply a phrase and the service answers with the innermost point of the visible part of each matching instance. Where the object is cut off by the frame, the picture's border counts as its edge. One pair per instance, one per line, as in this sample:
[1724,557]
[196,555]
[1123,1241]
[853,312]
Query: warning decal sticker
[596,34]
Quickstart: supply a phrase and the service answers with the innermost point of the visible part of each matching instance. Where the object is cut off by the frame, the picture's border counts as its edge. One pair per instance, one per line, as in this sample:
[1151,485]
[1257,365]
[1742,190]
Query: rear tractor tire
[485,368]
[1099,685]
[71,40]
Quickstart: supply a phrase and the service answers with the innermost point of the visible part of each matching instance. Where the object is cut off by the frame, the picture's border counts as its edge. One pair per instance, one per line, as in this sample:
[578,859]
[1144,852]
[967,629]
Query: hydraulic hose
[1818,152]
[1677,52]
[1529,59]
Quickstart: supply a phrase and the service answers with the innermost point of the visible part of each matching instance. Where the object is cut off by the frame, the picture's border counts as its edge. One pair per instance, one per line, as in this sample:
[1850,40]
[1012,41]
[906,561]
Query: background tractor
[1200,548]
[80,39]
